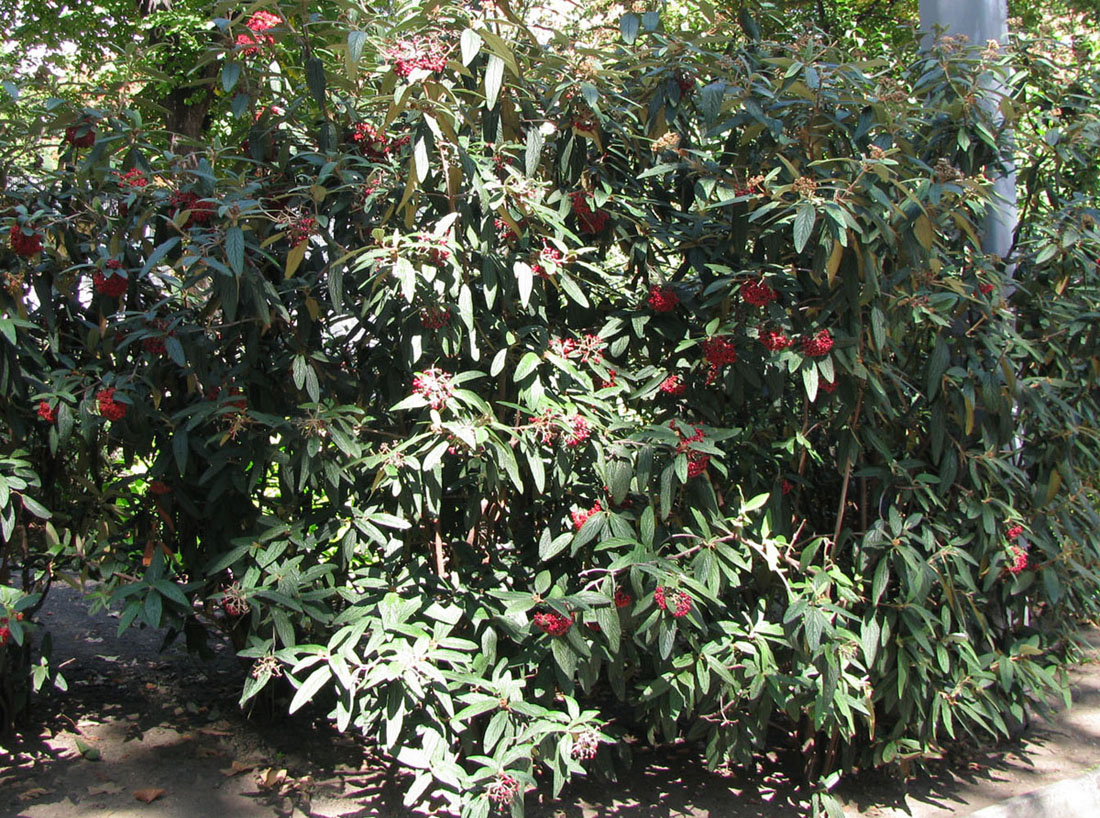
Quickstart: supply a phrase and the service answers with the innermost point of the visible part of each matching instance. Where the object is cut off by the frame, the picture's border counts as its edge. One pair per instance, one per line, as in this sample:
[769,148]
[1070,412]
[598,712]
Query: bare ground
[148,733]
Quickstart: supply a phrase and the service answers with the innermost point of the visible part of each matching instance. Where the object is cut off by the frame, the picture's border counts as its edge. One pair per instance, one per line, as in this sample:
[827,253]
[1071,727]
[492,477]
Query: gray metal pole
[981,21]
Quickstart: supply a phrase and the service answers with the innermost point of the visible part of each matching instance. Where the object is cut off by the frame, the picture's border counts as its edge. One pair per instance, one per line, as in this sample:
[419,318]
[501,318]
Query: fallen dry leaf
[32,793]
[270,777]
[148,795]
[212,731]
[238,767]
[107,788]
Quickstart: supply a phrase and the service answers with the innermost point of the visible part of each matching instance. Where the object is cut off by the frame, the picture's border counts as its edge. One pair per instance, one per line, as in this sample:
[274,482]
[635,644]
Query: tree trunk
[186,107]
[981,21]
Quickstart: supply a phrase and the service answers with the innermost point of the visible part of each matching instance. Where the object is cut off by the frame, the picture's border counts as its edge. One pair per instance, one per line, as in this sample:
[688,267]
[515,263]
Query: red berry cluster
[589,348]
[25,244]
[438,252]
[757,293]
[581,516]
[563,348]
[818,345]
[828,387]
[187,200]
[680,602]
[580,431]
[786,487]
[5,631]
[663,299]
[434,385]
[155,344]
[622,598]
[258,24]
[550,257]
[108,406]
[114,282]
[985,289]
[611,373]
[1014,532]
[553,623]
[1019,560]
[250,44]
[424,52]
[435,317]
[502,789]
[505,232]
[585,745]
[133,178]
[697,461]
[81,135]
[673,385]
[301,230]
[718,351]
[545,425]
[374,143]
[46,412]
[263,21]
[590,221]
[774,340]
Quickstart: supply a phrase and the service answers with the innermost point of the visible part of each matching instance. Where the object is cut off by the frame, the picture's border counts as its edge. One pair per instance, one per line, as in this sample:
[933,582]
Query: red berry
[112,284]
[251,44]
[502,790]
[133,178]
[47,413]
[718,351]
[663,299]
[589,221]
[818,345]
[774,340]
[302,230]
[263,20]
[81,135]
[553,623]
[434,317]
[23,244]
[757,293]
[186,200]
[1019,560]
[697,463]
[673,385]
[581,430]
[108,406]
[581,517]
[434,385]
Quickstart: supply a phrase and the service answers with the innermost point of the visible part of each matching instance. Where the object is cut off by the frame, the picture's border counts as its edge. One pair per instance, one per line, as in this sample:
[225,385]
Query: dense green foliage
[475,382]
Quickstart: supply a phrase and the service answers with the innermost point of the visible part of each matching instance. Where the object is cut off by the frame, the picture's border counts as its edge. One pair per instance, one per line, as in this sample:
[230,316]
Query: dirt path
[142,733]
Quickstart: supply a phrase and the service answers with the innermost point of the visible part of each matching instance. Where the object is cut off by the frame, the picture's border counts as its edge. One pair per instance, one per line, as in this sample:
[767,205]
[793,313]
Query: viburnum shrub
[493,389]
